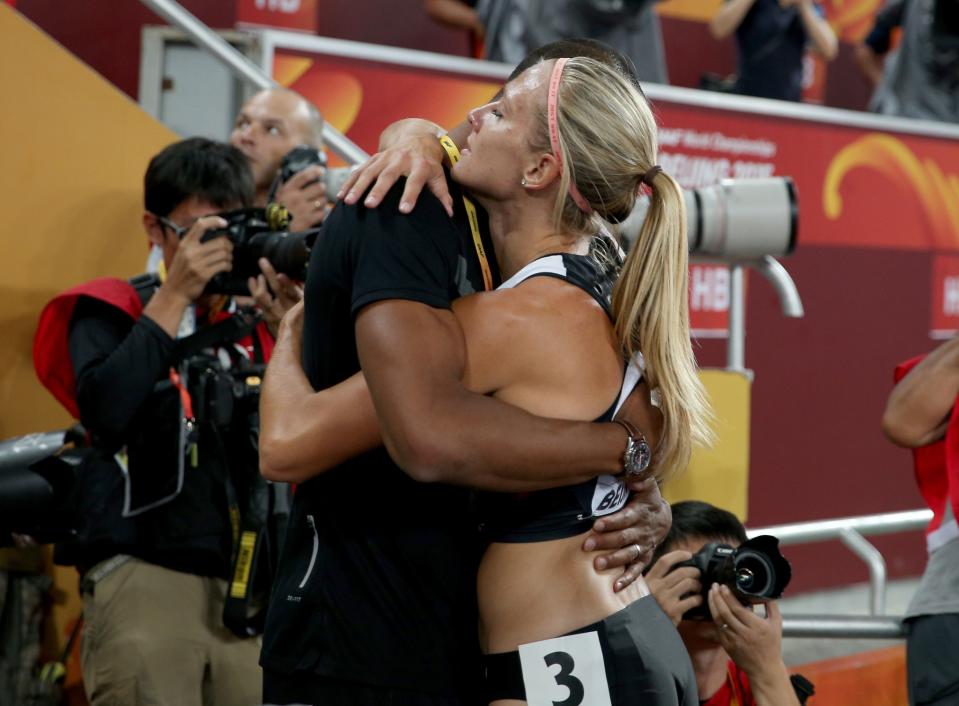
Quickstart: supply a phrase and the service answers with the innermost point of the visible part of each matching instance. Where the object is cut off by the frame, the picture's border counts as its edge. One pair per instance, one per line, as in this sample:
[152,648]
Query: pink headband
[551,101]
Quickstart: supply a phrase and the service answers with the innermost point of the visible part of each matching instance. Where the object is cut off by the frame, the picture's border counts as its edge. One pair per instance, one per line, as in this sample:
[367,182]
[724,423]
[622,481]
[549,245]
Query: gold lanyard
[453,153]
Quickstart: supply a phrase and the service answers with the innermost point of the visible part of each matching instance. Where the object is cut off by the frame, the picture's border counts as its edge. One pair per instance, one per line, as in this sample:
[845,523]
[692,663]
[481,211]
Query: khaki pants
[155,637]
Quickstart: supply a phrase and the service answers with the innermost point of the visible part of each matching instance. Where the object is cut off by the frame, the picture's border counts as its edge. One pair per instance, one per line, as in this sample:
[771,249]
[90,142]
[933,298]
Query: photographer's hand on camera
[194,264]
[304,196]
[274,293]
[676,591]
[754,643]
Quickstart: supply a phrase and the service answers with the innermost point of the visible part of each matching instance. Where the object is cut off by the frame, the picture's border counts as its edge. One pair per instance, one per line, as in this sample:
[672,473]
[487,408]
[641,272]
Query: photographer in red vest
[154,370]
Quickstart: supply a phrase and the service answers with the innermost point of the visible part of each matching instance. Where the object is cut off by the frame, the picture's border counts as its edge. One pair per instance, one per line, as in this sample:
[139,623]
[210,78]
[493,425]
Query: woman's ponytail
[651,309]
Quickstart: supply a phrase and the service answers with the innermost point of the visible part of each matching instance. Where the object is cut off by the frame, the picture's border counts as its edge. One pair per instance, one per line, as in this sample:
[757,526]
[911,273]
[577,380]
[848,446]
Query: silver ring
[639,550]
[724,626]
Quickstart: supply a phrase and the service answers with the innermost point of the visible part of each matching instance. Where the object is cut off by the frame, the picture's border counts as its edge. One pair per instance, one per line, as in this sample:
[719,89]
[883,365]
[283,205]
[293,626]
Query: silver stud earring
[523,182]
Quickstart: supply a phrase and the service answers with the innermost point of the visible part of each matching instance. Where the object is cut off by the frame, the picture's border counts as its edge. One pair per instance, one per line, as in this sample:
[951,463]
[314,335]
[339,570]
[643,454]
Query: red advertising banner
[299,15]
[709,301]
[857,187]
[945,297]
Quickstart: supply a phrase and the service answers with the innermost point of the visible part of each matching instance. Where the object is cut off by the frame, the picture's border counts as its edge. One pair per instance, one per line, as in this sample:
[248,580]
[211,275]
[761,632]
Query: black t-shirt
[377,578]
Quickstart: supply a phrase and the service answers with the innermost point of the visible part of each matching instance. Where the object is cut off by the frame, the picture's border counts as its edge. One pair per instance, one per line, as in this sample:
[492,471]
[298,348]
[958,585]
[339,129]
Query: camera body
[755,572]
[256,233]
[303,156]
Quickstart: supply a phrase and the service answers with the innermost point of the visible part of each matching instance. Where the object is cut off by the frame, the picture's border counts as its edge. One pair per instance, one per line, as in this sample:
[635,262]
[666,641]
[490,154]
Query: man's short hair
[211,171]
[581,47]
[694,519]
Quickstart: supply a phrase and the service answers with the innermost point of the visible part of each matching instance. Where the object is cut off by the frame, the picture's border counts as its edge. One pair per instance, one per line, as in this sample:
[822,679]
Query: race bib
[565,671]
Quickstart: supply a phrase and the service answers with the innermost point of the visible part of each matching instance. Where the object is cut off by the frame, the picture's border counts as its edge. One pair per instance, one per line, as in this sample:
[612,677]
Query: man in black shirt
[155,542]
[375,598]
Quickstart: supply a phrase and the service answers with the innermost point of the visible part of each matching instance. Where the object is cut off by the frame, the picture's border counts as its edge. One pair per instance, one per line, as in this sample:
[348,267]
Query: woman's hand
[408,148]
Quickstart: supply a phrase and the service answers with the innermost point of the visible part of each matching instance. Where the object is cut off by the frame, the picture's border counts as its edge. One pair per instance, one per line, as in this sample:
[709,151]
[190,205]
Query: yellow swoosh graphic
[938,193]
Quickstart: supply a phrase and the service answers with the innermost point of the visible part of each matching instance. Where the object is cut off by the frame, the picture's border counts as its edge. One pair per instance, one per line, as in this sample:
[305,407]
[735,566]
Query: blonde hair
[608,140]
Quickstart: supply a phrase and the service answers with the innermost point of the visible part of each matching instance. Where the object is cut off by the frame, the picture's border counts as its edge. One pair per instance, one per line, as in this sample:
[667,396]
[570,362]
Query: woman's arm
[304,432]
[408,148]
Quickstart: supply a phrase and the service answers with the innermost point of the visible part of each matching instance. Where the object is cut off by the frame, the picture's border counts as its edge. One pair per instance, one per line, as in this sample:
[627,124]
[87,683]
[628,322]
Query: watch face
[638,456]
[643,455]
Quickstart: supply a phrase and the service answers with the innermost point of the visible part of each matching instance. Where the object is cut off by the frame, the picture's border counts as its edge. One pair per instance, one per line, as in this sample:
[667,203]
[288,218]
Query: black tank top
[558,513]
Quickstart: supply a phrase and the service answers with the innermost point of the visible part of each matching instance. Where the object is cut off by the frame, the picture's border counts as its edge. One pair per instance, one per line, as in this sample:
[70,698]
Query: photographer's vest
[254,519]
[937,473]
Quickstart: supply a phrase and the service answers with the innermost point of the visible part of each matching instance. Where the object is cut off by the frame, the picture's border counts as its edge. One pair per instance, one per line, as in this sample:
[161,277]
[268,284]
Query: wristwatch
[638,455]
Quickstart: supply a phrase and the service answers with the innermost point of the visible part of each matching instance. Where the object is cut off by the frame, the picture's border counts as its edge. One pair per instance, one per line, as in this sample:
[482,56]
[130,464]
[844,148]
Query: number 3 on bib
[565,671]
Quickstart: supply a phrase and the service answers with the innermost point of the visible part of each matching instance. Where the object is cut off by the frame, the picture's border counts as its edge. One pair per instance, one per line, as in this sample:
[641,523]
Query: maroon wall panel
[106,33]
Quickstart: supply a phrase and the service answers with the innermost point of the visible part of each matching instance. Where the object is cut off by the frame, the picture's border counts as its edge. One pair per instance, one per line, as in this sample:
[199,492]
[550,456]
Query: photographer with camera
[269,126]
[736,654]
[150,367]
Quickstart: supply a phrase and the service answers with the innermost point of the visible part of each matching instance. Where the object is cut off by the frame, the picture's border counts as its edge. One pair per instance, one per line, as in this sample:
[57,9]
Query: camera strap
[453,152]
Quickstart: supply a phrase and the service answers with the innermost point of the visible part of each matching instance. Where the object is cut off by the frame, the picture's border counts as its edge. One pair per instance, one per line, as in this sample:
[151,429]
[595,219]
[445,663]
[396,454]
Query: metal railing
[852,532]
[246,70]
[206,38]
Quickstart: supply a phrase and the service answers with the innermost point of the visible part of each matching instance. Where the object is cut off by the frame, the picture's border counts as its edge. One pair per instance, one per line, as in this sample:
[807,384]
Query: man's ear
[154,229]
[542,172]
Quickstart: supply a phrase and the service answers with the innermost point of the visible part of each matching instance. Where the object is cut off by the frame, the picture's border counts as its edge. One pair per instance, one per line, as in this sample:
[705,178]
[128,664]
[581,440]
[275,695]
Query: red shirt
[735,690]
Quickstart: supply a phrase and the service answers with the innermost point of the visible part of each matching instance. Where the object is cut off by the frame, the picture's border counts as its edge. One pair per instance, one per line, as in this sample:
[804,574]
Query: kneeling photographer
[698,575]
[164,376]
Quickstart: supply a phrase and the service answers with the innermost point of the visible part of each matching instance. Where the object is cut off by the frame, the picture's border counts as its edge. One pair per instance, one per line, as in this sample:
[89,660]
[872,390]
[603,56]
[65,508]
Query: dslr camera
[755,572]
[256,233]
[303,156]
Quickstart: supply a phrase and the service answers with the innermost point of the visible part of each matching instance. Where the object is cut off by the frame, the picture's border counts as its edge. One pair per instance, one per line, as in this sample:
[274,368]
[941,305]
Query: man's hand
[419,158]
[632,534]
[274,293]
[304,196]
[754,643]
[676,591]
[195,263]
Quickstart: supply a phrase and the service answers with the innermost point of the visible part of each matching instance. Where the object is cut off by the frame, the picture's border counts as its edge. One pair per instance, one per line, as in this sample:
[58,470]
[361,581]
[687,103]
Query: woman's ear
[542,172]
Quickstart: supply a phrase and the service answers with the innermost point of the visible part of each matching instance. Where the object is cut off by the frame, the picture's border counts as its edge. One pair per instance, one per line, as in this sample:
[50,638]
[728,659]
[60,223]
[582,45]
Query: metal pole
[770,268]
[861,547]
[821,530]
[845,626]
[736,349]
[206,38]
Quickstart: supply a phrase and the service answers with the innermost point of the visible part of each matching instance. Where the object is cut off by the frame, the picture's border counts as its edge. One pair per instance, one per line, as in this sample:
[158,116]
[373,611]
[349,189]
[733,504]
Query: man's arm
[821,36]
[729,17]
[438,431]
[754,643]
[917,412]
[870,64]
[304,432]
